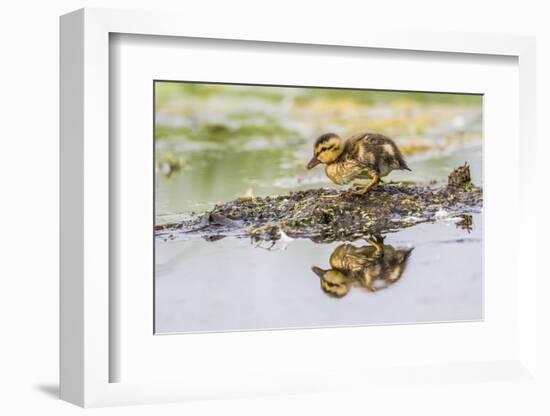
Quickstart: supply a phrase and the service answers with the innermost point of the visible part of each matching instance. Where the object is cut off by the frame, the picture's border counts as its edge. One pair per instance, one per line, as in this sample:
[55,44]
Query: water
[231,285]
[224,147]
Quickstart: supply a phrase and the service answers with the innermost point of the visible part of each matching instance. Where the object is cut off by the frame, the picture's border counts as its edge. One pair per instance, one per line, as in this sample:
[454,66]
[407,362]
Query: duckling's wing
[354,147]
[379,145]
[356,261]
[372,150]
[374,139]
[355,141]
[364,148]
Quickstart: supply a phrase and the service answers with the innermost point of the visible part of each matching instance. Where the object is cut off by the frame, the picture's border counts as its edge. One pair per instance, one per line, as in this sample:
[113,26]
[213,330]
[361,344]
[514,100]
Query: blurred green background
[214,143]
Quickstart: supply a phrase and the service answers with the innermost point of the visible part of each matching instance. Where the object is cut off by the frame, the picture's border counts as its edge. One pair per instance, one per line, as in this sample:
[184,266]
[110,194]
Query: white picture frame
[86,262]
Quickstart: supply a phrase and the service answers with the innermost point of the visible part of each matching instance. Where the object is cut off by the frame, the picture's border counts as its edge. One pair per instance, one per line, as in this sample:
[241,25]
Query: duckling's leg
[379,247]
[373,182]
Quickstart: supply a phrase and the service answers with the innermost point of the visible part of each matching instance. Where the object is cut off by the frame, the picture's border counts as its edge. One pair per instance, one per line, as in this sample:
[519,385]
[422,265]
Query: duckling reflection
[375,266]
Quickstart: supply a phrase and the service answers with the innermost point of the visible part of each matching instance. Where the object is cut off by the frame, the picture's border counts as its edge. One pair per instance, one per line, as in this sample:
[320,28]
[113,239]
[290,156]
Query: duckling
[363,155]
[333,282]
[374,267]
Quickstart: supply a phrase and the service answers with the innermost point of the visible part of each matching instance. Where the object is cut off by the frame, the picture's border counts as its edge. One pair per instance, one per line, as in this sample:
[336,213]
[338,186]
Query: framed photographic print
[247,237]
[262,214]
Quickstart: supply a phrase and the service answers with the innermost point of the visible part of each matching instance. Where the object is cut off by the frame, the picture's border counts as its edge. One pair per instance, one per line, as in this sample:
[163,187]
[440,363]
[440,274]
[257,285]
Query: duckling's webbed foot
[374,181]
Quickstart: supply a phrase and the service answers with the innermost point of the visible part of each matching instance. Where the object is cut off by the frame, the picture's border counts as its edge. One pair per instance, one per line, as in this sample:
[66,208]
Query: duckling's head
[333,282]
[327,149]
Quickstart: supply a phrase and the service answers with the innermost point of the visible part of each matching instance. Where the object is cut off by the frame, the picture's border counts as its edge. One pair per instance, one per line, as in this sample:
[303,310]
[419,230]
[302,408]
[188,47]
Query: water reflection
[374,266]
[466,223]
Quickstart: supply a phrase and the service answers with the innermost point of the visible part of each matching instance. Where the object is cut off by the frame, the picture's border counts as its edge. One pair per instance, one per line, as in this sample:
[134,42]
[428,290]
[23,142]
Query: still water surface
[231,285]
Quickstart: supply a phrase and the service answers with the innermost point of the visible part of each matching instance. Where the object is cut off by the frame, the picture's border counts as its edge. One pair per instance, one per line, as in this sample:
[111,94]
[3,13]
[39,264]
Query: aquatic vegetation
[213,112]
[461,178]
[222,132]
[168,164]
[342,216]
[398,98]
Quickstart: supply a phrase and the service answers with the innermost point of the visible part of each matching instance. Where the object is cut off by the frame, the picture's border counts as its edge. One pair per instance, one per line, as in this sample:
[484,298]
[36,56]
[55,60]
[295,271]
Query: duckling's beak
[313,162]
[318,271]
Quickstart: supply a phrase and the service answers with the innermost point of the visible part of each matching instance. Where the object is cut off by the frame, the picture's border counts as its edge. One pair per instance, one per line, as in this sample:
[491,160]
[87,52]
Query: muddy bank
[326,215]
